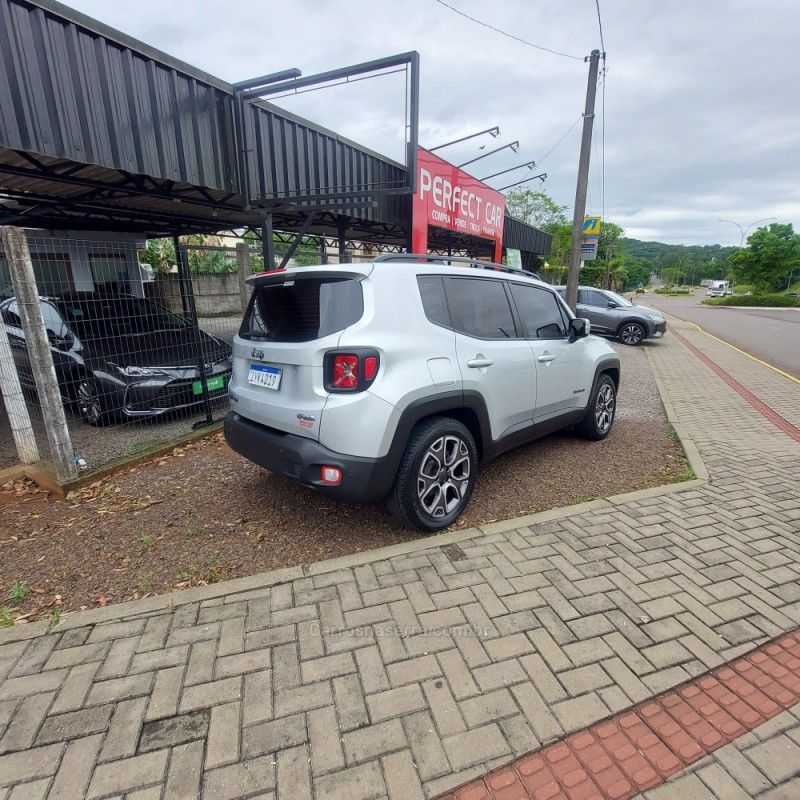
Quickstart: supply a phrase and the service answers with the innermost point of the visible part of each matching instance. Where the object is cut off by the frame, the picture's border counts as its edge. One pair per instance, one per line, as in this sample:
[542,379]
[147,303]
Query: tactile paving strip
[641,748]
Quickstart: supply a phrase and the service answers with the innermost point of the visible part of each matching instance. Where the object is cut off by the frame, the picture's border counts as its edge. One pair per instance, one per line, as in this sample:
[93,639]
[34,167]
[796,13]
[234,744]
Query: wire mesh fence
[141,351]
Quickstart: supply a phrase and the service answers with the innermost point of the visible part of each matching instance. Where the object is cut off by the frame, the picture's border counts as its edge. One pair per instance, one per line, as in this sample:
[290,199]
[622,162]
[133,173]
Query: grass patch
[146,581]
[765,300]
[19,592]
[146,540]
[6,617]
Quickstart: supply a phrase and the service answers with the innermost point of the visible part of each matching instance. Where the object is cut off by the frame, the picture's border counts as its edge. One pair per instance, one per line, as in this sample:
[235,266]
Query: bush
[770,300]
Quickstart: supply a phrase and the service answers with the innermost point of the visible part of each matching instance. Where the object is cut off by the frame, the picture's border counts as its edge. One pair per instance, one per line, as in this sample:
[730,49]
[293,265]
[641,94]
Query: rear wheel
[632,333]
[600,414]
[436,476]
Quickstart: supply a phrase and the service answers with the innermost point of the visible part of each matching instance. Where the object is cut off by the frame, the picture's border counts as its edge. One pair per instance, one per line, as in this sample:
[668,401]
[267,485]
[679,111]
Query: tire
[436,475]
[600,414]
[92,403]
[632,333]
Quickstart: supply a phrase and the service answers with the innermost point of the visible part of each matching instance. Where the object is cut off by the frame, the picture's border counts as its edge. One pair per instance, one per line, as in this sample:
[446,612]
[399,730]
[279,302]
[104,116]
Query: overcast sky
[699,111]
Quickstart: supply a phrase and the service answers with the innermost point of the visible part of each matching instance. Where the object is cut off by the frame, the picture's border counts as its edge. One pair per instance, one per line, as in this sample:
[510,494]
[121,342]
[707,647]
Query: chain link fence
[142,354]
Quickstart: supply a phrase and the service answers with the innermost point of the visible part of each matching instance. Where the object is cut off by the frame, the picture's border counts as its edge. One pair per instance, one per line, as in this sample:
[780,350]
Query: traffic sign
[591,226]
[589,250]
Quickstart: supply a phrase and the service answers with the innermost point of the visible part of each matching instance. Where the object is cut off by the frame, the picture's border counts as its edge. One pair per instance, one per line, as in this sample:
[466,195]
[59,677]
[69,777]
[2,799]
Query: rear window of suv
[301,310]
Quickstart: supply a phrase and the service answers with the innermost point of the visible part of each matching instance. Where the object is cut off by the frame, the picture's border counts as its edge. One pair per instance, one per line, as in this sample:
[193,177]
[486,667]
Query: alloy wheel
[604,408]
[444,476]
[631,334]
[89,402]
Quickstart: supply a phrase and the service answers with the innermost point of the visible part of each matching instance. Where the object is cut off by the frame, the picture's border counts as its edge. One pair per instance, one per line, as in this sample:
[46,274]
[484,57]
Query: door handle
[546,359]
[480,362]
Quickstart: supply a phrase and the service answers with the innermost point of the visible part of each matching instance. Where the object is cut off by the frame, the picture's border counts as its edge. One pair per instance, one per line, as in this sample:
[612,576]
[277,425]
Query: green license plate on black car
[213,383]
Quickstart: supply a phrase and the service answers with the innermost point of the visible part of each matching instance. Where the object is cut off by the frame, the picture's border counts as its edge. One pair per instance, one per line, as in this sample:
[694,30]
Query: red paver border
[639,749]
[773,416]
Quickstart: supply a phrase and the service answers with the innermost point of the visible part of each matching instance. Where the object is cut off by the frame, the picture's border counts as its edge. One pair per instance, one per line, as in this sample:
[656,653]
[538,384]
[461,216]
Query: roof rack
[460,261]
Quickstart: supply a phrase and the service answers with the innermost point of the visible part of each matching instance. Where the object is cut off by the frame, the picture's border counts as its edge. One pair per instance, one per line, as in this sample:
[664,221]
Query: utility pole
[583,179]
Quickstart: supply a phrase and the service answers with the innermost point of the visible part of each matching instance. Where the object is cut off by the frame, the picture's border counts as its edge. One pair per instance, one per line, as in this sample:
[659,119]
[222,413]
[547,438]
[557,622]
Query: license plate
[268,377]
[213,383]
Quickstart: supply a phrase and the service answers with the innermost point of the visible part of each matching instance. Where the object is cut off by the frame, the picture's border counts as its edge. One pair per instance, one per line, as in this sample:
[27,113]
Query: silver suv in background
[394,379]
[612,315]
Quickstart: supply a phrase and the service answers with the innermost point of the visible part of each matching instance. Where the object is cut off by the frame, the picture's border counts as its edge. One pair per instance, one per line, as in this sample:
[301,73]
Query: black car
[121,357]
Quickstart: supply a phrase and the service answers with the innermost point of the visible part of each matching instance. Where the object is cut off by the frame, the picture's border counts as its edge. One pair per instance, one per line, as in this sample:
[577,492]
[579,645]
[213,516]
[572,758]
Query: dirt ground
[203,514]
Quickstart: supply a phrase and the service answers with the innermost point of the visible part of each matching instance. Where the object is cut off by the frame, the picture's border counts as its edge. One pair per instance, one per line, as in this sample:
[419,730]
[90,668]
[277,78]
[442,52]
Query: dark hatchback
[121,357]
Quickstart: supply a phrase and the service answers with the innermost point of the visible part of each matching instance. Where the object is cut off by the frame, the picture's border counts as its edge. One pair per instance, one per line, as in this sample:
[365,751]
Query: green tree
[536,208]
[560,244]
[770,257]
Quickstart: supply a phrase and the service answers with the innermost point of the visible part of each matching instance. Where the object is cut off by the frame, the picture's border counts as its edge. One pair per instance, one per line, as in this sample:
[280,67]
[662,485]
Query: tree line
[769,262]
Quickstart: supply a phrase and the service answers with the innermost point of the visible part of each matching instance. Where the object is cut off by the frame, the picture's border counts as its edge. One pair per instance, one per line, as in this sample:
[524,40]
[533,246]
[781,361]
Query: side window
[540,312]
[11,315]
[53,321]
[595,299]
[434,301]
[480,308]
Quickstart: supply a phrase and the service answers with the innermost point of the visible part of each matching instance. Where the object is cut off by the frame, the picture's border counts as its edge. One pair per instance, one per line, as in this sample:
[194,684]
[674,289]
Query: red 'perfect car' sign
[449,198]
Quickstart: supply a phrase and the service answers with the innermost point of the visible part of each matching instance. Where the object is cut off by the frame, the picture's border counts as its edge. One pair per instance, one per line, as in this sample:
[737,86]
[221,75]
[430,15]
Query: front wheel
[91,402]
[600,414]
[632,333]
[436,476]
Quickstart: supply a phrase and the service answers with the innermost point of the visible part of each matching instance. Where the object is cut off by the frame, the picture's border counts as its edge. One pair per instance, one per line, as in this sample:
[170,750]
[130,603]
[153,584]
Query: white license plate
[268,377]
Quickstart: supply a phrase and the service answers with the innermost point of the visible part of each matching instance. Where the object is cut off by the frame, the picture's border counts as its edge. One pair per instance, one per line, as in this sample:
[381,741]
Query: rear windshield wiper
[253,334]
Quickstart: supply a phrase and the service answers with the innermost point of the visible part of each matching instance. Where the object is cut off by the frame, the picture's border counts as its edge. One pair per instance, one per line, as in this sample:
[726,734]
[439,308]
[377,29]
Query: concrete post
[17,410]
[243,262]
[44,373]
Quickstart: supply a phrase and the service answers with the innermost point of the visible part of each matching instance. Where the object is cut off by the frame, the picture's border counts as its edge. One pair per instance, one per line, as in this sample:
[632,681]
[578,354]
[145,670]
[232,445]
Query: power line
[600,25]
[569,130]
[509,35]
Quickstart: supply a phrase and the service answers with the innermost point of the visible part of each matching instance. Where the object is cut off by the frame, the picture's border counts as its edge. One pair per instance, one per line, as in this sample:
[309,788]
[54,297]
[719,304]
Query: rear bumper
[364,480]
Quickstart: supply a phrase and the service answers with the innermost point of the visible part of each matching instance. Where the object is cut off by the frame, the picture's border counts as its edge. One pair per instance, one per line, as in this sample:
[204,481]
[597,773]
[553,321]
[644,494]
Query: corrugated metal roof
[520,235]
[69,92]
[98,129]
[79,93]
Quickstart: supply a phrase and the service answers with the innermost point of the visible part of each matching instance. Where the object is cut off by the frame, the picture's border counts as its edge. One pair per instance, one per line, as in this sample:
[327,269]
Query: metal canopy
[100,131]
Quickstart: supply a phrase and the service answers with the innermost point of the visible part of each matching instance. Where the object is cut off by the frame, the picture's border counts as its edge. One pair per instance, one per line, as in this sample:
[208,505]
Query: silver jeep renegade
[394,379]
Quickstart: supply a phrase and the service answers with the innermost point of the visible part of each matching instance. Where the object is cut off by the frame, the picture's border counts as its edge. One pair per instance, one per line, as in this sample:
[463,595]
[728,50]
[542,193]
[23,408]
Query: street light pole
[743,232]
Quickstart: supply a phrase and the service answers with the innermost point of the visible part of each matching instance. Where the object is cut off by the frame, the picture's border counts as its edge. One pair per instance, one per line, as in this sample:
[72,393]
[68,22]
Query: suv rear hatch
[294,317]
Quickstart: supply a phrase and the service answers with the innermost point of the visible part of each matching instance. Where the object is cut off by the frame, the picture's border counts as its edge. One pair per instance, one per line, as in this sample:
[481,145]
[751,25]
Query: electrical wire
[603,142]
[509,35]
[600,25]
[603,107]
[569,130]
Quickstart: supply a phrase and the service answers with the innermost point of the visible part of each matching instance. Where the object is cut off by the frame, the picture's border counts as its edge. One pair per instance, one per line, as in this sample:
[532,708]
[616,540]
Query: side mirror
[578,328]
[612,304]
[63,343]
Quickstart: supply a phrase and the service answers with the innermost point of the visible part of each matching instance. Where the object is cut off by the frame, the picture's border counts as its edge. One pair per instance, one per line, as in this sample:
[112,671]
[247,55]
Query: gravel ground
[204,514]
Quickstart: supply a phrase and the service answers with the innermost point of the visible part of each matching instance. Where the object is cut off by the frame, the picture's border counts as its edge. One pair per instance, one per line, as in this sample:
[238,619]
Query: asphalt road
[771,334]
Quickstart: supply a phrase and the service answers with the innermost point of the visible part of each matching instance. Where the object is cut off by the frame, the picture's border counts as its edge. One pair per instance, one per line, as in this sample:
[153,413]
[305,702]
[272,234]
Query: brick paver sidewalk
[410,672]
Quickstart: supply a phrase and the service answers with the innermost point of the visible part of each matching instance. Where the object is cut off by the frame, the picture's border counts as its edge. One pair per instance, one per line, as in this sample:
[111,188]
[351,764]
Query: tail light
[351,370]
